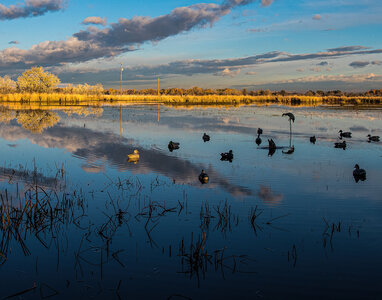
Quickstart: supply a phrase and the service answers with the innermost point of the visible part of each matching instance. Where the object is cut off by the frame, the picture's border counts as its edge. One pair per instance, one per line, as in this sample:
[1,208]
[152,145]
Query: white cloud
[95,21]
[266,2]
[341,77]
[30,8]
[117,38]
[228,72]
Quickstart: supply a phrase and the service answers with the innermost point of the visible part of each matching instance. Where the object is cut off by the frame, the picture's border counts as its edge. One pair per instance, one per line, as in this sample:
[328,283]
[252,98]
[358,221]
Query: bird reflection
[289,151]
[258,141]
[272,147]
[340,145]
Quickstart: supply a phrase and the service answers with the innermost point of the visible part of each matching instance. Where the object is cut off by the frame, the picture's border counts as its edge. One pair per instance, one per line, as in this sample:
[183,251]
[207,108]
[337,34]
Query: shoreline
[61,99]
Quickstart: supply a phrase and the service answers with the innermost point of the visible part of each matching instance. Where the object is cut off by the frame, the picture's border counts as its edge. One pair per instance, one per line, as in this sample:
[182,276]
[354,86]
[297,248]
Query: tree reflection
[6,115]
[36,121]
[84,111]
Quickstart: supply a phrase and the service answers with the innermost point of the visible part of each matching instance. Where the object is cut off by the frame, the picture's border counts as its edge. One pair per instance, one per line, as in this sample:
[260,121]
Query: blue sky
[279,44]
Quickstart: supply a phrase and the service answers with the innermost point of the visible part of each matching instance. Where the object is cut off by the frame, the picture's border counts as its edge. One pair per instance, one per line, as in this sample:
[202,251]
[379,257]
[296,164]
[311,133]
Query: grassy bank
[68,99]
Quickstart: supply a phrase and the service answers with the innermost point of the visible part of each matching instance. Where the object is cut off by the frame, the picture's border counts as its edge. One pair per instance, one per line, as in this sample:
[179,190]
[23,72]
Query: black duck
[227,156]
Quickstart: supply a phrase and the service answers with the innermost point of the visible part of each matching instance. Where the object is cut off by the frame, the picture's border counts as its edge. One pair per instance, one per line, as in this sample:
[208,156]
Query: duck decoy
[345,134]
[206,137]
[359,174]
[291,118]
[290,115]
[259,131]
[134,156]
[258,141]
[341,145]
[313,139]
[173,146]
[289,151]
[203,177]
[374,138]
[227,156]
[272,144]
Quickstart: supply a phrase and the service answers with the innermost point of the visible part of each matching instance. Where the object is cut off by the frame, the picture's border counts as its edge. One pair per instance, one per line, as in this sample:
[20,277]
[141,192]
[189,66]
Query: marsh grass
[47,209]
[73,99]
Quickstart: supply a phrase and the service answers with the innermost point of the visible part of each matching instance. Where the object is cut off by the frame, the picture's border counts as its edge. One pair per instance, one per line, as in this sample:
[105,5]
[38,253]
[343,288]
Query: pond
[80,220]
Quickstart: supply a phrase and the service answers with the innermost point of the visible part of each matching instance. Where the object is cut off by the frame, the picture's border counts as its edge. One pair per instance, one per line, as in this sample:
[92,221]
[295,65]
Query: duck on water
[203,177]
[173,146]
[227,156]
[206,137]
[258,139]
[359,174]
[346,134]
[374,138]
[134,156]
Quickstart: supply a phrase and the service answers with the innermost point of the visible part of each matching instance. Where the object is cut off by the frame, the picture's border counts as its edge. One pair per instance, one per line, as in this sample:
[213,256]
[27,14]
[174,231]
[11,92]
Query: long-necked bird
[290,115]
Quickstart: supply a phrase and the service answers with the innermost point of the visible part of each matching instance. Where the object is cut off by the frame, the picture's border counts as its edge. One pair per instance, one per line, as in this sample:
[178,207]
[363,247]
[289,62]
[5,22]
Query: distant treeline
[37,80]
[197,91]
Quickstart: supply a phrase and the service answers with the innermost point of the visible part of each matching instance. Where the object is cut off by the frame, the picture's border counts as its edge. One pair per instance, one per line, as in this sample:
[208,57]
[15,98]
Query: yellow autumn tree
[37,80]
[7,85]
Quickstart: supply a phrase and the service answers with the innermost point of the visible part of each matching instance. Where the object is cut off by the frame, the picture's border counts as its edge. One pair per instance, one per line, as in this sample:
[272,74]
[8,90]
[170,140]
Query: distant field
[66,99]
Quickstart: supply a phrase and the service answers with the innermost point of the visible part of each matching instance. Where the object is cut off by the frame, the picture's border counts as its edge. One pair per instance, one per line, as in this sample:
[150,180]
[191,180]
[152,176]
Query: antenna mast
[121,79]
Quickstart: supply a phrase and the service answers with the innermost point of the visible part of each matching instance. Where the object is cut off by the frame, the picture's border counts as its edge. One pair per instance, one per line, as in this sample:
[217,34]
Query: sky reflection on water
[318,233]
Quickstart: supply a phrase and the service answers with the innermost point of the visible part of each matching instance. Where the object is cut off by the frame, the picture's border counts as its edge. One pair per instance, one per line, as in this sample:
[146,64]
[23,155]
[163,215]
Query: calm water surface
[265,227]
